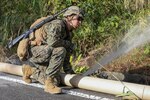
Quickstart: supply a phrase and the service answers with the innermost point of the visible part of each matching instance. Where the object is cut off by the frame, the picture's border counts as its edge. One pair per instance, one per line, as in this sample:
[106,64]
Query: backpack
[35,38]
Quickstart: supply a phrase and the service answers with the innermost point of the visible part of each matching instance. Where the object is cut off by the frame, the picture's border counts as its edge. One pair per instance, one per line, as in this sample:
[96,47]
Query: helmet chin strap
[71,26]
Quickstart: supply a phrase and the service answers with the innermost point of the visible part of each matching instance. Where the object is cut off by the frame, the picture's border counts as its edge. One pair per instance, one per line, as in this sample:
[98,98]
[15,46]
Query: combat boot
[51,87]
[27,72]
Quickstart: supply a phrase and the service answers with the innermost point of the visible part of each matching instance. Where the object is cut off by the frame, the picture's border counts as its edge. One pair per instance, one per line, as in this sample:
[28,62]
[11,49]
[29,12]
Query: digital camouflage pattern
[54,51]
[74,10]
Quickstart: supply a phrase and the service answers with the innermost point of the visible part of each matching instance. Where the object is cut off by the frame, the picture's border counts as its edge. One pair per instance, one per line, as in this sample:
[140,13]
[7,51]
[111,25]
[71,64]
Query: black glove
[70,72]
[71,48]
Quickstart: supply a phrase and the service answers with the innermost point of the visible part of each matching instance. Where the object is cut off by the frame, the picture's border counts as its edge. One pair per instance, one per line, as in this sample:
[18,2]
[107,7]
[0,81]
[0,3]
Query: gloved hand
[70,72]
[71,48]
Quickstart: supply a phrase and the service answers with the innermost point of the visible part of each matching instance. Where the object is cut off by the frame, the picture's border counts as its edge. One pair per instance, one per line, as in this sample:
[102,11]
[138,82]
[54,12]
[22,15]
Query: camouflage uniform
[50,49]
[54,52]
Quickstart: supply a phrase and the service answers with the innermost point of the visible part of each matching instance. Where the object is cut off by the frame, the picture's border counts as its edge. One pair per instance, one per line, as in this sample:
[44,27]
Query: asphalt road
[13,88]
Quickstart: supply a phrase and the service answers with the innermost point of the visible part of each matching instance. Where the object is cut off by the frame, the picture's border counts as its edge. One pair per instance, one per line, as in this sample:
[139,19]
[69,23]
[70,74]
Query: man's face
[76,21]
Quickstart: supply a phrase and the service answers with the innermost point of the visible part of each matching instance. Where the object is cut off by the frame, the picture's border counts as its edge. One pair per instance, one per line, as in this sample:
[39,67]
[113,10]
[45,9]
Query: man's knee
[60,51]
[56,61]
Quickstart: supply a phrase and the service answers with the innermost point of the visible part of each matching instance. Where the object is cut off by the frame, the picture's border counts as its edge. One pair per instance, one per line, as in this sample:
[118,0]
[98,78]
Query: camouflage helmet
[74,10]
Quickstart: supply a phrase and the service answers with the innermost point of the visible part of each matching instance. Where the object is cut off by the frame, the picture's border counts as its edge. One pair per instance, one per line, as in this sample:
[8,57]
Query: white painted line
[70,92]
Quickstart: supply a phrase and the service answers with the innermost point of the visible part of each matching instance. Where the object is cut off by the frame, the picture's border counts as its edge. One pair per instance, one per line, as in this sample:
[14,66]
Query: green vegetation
[129,95]
[105,20]
[78,69]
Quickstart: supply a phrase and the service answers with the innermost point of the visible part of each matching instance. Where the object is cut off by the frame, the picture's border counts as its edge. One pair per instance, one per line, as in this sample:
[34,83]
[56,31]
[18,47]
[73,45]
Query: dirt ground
[133,63]
[3,54]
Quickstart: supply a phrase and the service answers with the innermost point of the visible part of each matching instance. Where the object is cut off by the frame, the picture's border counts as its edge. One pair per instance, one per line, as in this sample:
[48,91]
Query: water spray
[135,37]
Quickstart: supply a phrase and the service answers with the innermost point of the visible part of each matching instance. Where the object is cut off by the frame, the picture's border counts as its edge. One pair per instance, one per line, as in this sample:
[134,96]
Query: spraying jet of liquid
[136,36]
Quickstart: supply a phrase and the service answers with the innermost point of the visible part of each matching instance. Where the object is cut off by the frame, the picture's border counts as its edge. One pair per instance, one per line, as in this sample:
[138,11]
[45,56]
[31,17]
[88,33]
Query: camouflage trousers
[47,60]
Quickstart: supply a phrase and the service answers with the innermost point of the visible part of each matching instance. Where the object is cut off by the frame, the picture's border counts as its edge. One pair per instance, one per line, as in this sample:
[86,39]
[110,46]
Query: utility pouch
[22,50]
